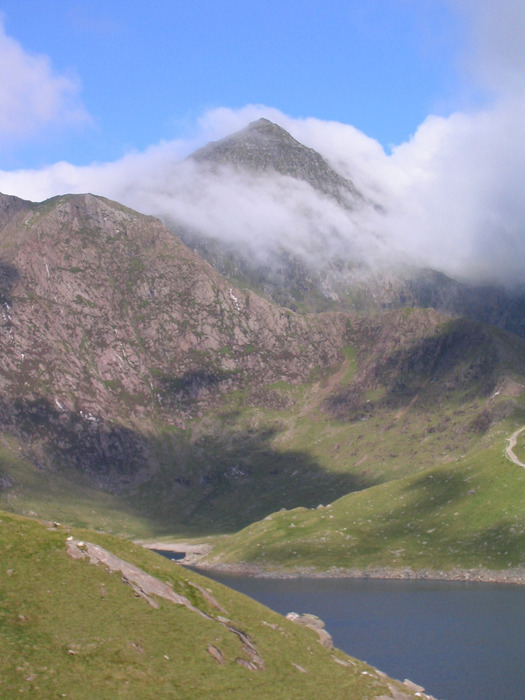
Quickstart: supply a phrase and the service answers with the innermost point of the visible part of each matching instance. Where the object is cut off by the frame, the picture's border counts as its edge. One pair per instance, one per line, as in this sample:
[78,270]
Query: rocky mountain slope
[110,322]
[266,147]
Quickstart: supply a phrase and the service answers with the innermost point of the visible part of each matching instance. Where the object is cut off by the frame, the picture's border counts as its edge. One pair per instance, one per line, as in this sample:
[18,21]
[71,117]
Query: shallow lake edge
[194,554]
[512,576]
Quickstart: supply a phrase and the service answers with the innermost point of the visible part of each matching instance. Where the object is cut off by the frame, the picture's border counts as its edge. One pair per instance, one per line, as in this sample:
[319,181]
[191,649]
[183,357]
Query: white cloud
[461,206]
[32,94]
[452,194]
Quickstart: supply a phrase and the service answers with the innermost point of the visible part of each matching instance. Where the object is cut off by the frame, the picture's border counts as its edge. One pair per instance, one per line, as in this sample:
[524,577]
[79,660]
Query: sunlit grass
[465,514]
[68,628]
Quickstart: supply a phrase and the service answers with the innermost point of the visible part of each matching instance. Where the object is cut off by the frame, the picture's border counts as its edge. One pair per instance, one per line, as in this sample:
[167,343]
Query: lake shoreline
[481,575]
[195,553]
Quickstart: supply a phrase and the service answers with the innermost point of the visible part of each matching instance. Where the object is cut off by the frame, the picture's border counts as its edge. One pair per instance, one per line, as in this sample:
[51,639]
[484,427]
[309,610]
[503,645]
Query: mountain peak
[255,135]
[263,123]
[265,147]
[268,129]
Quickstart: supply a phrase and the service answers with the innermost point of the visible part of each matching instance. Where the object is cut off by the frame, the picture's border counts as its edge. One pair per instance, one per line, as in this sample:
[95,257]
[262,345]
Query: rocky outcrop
[149,588]
[144,585]
[315,623]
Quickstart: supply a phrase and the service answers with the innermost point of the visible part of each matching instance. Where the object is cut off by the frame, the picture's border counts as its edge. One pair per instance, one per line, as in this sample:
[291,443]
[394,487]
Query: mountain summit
[266,147]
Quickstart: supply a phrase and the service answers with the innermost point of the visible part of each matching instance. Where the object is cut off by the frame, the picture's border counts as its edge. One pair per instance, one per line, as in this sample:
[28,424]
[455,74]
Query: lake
[461,641]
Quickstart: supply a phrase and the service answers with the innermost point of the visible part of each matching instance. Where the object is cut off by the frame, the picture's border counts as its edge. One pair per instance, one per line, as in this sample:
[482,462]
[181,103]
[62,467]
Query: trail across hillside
[512,444]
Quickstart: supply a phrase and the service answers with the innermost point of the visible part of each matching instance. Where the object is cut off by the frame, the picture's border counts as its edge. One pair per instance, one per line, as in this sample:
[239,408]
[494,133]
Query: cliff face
[109,322]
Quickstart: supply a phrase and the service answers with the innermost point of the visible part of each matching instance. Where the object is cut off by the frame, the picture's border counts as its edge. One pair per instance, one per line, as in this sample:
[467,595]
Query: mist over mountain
[275,215]
[447,200]
[261,197]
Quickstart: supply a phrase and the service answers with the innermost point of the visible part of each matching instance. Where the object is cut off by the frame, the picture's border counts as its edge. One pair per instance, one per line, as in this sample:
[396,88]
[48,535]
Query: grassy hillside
[427,498]
[466,514]
[69,628]
[413,392]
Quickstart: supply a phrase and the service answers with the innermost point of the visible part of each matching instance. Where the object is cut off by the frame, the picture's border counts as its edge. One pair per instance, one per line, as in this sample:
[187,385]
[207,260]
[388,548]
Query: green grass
[263,458]
[414,505]
[466,514]
[351,356]
[70,629]
[426,418]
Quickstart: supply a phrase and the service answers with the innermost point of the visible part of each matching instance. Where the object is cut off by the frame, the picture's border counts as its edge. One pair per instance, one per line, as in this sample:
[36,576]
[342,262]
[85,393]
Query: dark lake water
[461,641]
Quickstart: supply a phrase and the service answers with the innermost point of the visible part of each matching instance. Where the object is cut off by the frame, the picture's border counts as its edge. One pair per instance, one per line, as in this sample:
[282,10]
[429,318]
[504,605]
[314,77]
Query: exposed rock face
[109,322]
[425,288]
[145,585]
[421,354]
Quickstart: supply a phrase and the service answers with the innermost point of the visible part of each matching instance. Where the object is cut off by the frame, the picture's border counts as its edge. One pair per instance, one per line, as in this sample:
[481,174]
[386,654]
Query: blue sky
[144,72]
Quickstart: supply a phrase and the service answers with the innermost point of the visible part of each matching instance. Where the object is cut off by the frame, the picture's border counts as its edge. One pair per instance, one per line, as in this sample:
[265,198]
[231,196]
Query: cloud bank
[32,94]
[451,196]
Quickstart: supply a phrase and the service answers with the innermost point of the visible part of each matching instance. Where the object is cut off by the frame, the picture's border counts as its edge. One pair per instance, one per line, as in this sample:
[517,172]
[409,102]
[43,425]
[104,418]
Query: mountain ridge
[113,330]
